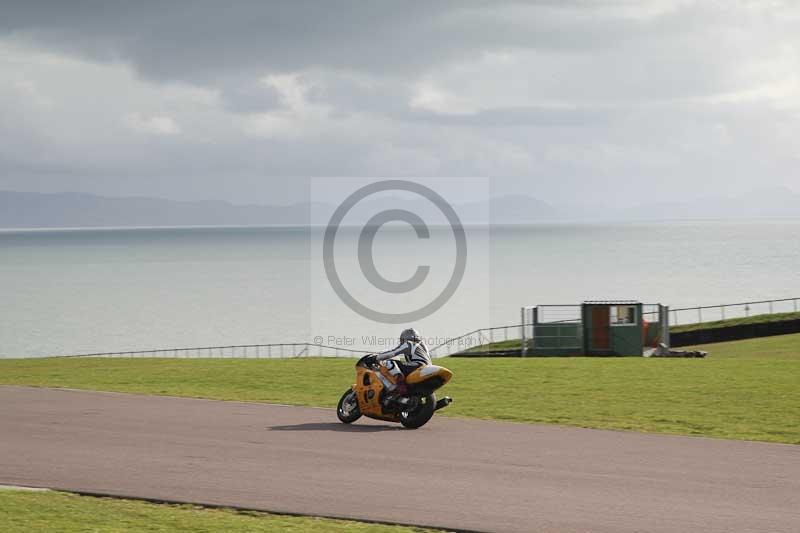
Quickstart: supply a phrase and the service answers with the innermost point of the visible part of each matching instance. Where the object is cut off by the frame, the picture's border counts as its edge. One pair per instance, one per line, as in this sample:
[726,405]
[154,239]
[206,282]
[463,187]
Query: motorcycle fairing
[425,373]
[369,389]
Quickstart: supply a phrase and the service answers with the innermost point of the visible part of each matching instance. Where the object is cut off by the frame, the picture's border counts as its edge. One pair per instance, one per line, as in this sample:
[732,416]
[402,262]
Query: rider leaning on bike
[415,353]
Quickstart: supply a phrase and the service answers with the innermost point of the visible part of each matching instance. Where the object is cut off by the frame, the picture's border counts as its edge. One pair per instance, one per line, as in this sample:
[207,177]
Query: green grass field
[743,390]
[510,344]
[27,511]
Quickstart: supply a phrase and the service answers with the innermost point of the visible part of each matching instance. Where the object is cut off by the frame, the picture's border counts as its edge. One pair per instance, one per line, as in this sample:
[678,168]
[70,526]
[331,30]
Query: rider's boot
[398,395]
[401,387]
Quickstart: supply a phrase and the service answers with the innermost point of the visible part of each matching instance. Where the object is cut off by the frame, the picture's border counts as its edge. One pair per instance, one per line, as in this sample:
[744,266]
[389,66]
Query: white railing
[245,351]
[476,338]
[712,313]
[473,339]
[684,315]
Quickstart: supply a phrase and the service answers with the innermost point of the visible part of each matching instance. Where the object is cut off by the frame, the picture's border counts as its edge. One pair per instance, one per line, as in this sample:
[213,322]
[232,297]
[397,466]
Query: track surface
[467,474]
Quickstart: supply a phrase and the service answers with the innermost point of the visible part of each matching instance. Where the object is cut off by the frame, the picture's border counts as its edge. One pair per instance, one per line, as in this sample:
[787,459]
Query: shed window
[623,315]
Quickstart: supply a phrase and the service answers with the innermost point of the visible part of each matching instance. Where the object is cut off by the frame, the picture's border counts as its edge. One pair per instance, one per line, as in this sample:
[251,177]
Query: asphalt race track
[458,474]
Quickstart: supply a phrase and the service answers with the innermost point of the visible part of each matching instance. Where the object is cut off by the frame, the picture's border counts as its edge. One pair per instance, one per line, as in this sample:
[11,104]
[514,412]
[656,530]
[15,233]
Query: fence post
[699,314]
[523,347]
[770,306]
[722,311]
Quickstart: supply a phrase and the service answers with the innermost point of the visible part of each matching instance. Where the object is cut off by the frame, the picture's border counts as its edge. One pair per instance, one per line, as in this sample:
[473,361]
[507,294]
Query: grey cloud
[348,96]
[525,116]
[250,97]
[392,100]
[580,52]
[594,93]
[202,41]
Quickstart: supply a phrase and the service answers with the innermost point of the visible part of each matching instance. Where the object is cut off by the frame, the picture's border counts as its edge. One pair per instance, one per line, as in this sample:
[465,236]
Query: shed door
[600,328]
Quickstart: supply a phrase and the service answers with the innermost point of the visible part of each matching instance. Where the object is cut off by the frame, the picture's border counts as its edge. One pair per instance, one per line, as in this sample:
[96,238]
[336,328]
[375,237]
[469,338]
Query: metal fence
[554,328]
[245,351]
[712,313]
[554,315]
[476,338]
[288,350]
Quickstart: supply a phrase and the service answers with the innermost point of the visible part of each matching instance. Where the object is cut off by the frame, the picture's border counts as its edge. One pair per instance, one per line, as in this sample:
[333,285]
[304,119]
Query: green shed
[594,327]
[612,327]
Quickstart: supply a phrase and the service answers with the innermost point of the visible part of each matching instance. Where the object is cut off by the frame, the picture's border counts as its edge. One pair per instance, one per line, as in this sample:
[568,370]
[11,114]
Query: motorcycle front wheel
[348,410]
[420,415]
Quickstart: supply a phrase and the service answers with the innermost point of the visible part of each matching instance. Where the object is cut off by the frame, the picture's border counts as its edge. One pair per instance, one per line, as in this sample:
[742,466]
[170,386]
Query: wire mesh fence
[556,328]
[551,314]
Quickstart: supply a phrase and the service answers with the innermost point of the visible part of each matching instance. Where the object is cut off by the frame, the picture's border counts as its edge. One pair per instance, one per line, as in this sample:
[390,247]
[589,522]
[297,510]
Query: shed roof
[611,302]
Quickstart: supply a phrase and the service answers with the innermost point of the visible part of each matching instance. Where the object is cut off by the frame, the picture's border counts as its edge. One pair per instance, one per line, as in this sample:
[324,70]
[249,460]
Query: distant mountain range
[36,210]
[54,210]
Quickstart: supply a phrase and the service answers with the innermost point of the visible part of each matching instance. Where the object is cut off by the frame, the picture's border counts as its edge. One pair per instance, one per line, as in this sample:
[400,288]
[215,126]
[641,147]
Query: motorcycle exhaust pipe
[443,402]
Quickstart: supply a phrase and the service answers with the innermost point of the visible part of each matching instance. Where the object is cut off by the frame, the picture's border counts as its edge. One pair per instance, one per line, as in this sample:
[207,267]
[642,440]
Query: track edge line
[238,508]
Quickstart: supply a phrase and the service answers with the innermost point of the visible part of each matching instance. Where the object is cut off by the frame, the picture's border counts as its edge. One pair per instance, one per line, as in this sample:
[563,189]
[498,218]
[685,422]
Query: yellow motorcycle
[374,394]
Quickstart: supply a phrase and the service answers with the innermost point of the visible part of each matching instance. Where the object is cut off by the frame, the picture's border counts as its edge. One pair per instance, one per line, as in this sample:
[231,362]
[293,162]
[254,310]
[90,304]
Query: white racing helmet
[410,334]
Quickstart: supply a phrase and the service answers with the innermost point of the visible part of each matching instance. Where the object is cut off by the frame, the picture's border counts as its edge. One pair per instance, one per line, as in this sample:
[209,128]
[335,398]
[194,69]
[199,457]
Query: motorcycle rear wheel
[348,410]
[421,414]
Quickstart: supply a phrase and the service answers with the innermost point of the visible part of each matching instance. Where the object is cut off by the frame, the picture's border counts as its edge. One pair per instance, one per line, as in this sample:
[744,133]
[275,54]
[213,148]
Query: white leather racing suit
[415,354]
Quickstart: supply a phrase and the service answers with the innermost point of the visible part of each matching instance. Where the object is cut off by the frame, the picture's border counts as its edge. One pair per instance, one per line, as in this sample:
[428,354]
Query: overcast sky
[568,101]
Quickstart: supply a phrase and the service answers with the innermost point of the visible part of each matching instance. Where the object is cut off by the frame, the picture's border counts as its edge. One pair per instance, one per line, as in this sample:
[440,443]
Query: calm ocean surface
[79,291]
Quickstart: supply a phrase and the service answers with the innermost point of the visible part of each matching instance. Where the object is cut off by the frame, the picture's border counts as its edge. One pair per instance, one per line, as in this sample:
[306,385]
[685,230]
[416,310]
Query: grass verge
[743,390]
[756,319]
[24,511]
[499,346]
